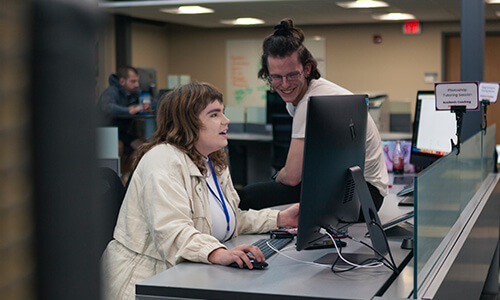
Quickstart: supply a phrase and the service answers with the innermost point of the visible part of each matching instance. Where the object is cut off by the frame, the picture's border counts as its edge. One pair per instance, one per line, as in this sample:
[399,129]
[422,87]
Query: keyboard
[266,250]
[397,220]
[277,243]
[405,191]
[407,201]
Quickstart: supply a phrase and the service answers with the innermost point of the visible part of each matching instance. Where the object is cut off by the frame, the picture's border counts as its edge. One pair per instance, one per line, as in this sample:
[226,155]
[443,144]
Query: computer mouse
[407,243]
[256,265]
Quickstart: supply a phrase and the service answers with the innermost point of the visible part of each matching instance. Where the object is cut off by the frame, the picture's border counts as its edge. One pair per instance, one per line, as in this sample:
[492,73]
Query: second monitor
[433,131]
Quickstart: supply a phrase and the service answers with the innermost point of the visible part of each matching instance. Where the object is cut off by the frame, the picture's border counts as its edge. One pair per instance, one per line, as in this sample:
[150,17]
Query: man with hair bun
[292,72]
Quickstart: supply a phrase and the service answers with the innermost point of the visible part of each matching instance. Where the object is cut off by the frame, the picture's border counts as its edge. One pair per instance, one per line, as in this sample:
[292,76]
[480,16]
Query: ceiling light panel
[188,10]
[362,4]
[394,17]
[243,21]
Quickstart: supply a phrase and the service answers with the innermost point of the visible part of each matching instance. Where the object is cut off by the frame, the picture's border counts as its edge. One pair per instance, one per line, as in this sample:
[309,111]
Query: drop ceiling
[303,12]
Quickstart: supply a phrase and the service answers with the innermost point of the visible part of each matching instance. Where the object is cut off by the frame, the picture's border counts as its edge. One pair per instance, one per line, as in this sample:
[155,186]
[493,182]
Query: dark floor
[492,297]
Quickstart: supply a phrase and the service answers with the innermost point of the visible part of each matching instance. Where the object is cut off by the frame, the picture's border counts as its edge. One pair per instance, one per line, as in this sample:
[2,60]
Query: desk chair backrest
[111,192]
[282,132]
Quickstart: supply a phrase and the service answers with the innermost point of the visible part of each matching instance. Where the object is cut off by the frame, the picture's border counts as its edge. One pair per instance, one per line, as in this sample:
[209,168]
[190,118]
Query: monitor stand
[355,258]
[375,230]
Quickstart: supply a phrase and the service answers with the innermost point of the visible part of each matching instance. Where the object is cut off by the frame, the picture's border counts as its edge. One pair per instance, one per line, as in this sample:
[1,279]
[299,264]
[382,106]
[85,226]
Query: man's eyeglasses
[289,77]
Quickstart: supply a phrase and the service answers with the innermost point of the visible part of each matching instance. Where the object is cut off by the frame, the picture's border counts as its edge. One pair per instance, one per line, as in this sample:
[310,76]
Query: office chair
[268,194]
[111,192]
[282,131]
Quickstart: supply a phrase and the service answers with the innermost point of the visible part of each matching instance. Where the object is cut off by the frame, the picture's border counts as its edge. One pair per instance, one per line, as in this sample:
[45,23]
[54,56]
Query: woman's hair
[286,40]
[178,123]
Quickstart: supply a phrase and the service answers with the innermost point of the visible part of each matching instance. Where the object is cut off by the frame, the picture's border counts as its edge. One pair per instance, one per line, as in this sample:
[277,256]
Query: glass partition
[442,192]
[489,147]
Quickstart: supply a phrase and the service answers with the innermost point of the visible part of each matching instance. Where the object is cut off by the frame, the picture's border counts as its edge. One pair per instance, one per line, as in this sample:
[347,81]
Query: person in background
[121,98]
[291,71]
[181,203]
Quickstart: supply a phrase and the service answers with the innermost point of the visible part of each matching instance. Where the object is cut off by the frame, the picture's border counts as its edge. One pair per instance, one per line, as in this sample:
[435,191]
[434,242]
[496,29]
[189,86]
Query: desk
[250,156]
[283,279]
[390,136]
[250,137]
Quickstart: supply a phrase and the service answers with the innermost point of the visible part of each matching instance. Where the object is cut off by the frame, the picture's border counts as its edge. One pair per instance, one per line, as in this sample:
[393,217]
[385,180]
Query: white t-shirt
[375,168]
[219,224]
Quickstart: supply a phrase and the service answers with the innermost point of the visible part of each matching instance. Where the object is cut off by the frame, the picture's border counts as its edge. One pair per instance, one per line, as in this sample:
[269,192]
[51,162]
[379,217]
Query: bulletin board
[243,87]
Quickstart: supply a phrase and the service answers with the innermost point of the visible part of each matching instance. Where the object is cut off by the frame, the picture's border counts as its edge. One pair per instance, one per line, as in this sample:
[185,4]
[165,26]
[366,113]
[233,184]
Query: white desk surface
[284,277]
[268,137]
[245,136]
[389,136]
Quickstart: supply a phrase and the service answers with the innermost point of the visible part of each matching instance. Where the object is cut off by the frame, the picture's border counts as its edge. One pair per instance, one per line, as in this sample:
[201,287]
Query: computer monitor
[333,186]
[274,106]
[432,131]
[147,80]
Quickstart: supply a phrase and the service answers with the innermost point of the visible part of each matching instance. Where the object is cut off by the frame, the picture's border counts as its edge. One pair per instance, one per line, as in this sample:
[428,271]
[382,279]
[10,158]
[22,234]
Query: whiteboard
[243,87]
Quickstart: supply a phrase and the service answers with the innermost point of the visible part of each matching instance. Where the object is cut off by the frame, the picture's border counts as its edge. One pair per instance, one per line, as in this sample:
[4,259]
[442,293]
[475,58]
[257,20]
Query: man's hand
[289,216]
[238,254]
[133,109]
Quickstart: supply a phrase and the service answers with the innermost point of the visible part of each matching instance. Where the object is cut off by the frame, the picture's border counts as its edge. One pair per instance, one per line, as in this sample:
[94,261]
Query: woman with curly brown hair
[181,203]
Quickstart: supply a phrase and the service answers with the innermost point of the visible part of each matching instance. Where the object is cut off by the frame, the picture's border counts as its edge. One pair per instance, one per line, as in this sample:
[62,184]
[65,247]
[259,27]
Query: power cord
[382,260]
[368,263]
[280,252]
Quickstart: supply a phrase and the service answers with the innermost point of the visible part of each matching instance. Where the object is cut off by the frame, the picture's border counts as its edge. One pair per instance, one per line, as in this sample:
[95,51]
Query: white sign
[450,94]
[488,91]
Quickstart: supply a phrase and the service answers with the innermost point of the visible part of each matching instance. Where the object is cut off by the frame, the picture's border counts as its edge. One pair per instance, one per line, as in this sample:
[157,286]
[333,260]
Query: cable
[367,263]
[292,258]
[390,264]
[364,263]
[354,266]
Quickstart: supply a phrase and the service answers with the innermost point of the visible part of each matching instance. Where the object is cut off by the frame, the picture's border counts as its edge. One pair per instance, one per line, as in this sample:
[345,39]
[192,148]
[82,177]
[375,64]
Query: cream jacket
[165,219]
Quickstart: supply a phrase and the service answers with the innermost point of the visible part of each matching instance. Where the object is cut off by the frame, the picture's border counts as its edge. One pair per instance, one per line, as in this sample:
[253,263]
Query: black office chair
[282,131]
[111,192]
[268,194]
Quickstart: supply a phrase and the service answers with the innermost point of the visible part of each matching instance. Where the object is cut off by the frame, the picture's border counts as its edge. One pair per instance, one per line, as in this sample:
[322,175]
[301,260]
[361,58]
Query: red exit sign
[411,27]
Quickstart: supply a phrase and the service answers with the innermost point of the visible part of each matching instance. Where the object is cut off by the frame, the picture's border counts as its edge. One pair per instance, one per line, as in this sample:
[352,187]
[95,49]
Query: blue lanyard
[221,199]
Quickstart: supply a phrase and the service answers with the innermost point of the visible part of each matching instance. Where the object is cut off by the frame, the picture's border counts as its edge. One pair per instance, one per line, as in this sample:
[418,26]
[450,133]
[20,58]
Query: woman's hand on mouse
[238,254]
